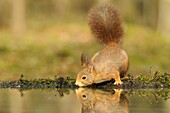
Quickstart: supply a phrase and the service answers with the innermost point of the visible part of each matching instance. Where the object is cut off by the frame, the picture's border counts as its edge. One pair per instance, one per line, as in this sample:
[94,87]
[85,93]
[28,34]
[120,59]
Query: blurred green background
[45,38]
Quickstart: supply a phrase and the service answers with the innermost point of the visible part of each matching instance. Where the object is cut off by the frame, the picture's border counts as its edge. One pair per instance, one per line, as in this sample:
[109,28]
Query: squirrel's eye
[84,77]
[84,96]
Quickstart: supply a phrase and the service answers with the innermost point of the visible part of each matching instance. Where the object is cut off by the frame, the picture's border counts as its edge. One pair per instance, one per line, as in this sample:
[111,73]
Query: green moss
[150,80]
[58,82]
[155,80]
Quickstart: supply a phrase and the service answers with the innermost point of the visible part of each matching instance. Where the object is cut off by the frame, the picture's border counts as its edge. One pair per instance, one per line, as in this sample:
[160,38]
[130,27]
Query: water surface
[84,100]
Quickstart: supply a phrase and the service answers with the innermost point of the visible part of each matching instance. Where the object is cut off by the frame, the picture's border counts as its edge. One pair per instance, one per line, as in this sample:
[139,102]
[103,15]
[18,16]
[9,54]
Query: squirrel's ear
[85,60]
[93,71]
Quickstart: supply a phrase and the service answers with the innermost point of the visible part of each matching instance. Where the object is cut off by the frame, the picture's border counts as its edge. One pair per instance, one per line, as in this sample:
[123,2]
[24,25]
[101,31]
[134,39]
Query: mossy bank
[155,80]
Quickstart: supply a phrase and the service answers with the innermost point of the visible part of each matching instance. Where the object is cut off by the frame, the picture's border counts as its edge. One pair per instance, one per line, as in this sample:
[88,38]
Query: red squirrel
[112,61]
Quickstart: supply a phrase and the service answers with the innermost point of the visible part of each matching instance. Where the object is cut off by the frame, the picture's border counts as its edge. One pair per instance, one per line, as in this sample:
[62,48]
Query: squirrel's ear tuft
[85,60]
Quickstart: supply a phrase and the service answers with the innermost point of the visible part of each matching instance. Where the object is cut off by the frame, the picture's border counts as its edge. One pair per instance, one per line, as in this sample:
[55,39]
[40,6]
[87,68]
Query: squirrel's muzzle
[79,84]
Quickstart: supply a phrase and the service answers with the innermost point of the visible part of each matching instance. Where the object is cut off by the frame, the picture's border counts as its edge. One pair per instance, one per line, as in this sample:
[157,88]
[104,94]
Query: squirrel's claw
[118,83]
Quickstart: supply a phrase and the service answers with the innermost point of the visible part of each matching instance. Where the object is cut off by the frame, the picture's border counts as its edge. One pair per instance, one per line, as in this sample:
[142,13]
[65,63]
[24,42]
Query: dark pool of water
[84,101]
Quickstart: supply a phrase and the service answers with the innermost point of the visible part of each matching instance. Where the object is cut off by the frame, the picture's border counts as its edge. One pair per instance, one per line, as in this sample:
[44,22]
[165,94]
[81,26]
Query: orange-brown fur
[112,61]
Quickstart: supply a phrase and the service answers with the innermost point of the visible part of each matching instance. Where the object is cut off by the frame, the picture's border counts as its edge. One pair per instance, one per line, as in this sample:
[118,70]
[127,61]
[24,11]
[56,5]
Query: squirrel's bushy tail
[106,24]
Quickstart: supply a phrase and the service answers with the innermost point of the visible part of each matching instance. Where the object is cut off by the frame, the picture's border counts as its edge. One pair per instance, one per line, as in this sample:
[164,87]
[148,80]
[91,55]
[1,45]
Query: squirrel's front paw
[118,82]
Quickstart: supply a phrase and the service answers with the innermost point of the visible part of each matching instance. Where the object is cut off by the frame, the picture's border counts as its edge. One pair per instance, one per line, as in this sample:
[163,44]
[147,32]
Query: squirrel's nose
[76,83]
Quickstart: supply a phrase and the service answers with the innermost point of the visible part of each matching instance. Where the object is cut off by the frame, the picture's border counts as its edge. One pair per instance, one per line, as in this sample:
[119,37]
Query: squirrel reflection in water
[98,101]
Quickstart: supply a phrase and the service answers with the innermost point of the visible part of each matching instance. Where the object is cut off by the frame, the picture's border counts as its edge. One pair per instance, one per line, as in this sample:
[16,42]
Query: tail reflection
[98,101]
